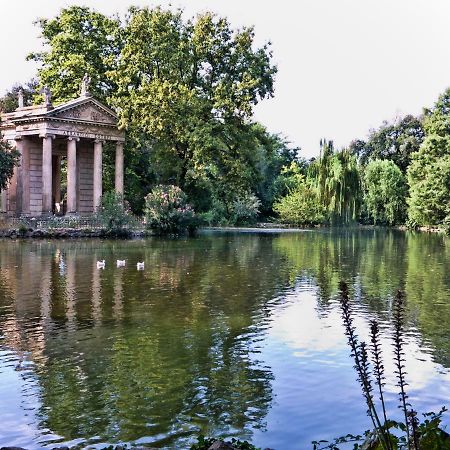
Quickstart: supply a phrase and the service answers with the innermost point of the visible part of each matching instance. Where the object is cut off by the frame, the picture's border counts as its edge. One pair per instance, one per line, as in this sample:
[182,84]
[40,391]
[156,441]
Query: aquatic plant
[386,434]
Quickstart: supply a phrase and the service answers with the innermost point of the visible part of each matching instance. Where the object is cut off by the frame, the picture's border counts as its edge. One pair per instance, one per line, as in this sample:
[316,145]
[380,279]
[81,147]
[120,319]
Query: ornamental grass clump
[387,434]
[168,212]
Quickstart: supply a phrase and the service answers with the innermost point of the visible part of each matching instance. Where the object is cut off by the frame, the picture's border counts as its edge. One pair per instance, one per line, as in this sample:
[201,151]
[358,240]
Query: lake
[226,334]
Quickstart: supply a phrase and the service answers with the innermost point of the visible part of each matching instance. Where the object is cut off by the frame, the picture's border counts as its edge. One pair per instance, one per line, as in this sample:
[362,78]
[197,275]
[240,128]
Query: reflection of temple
[45,135]
[88,332]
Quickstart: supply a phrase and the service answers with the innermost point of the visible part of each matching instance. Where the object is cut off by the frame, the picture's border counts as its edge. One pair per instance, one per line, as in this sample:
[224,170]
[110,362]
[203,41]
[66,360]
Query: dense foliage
[76,42]
[167,210]
[385,190]
[429,172]
[395,141]
[337,178]
[301,206]
[400,175]
[9,159]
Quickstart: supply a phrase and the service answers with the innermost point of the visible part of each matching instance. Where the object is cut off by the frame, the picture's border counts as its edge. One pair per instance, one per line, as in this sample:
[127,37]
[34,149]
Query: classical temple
[72,133]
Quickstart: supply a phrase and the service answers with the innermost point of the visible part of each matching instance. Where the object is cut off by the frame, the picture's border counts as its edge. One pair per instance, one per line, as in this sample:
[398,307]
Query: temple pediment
[86,110]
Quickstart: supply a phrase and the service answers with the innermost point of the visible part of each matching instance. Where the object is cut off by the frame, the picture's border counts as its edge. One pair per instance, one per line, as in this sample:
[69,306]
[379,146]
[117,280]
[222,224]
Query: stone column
[72,175]
[98,149]
[17,178]
[23,178]
[12,192]
[119,168]
[47,206]
[3,202]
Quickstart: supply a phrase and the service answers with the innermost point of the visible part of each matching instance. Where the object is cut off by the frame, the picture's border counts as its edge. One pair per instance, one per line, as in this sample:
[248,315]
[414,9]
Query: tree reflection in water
[162,354]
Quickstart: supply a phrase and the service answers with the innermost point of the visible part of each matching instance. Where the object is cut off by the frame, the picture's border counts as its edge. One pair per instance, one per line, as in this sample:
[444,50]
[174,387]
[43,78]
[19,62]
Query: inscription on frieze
[86,135]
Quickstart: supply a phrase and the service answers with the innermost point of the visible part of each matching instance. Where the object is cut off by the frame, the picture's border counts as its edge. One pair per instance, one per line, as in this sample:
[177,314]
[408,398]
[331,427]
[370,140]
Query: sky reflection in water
[228,334]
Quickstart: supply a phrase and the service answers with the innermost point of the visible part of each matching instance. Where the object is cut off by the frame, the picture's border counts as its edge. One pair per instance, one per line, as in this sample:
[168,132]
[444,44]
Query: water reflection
[121,354]
[225,334]
[376,263]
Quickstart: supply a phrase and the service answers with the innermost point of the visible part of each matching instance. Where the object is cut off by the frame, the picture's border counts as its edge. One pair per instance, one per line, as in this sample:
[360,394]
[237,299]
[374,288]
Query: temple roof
[85,109]
[84,116]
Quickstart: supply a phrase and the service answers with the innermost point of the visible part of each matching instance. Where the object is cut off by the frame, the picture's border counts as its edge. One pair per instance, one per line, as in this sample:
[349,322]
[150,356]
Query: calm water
[225,334]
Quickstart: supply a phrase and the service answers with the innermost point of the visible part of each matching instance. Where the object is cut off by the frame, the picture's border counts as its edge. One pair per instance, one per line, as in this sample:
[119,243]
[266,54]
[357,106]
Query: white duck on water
[140,266]
[101,264]
[120,263]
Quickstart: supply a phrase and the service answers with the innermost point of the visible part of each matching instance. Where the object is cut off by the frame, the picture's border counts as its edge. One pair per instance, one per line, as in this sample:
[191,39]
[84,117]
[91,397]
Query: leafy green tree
[275,158]
[9,158]
[385,191]
[395,141]
[191,87]
[429,180]
[437,119]
[79,40]
[429,172]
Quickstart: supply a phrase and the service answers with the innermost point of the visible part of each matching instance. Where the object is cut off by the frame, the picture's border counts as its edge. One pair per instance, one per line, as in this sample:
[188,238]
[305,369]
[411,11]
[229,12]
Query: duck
[101,264]
[120,263]
[140,266]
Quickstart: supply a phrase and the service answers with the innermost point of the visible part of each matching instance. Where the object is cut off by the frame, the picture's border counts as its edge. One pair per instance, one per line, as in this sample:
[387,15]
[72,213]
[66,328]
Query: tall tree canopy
[395,141]
[429,172]
[78,41]
[191,87]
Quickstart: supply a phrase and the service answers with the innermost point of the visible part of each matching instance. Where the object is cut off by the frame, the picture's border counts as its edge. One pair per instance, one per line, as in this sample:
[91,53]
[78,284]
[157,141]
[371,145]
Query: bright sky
[344,65]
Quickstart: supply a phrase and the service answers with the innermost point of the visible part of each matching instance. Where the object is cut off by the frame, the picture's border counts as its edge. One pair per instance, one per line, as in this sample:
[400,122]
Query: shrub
[245,209]
[167,210]
[216,215]
[114,214]
[301,207]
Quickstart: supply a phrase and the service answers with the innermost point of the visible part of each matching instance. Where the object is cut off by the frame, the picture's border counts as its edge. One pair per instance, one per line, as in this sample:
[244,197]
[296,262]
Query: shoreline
[102,233]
